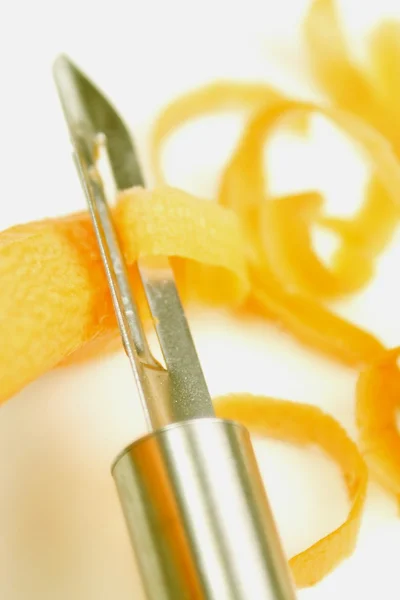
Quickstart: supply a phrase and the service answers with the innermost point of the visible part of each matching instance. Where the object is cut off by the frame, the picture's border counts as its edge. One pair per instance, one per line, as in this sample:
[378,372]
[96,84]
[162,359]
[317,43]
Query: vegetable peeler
[190,490]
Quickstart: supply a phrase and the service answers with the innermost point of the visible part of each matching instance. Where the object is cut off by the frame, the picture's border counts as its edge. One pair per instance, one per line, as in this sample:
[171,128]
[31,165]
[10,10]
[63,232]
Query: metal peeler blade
[178,392]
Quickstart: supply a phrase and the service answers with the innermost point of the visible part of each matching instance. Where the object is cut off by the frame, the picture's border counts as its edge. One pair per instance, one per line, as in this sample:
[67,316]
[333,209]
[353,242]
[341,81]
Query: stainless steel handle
[198,515]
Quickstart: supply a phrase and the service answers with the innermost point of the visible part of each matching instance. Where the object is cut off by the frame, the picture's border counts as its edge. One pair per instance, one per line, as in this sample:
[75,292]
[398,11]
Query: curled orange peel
[377,405]
[307,425]
[367,91]
[280,248]
[364,90]
[213,98]
[284,231]
[383,72]
[334,70]
[287,278]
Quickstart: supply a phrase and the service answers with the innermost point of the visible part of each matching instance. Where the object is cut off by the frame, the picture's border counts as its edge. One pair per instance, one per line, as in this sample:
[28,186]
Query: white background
[61,532]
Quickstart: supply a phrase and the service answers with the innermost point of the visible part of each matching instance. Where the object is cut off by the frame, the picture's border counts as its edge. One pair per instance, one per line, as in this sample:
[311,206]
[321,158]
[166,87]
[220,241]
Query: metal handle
[198,515]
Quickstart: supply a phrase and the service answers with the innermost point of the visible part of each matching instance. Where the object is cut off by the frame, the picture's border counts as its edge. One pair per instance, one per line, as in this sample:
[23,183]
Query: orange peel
[366,91]
[215,97]
[287,279]
[307,425]
[54,299]
[378,401]
[283,232]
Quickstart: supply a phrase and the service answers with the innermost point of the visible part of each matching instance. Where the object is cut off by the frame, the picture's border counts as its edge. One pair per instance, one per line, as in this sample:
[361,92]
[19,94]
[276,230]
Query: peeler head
[107,162]
[88,114]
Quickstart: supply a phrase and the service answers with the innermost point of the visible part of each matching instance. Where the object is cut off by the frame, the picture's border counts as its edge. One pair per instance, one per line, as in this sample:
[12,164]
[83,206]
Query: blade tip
[60,63]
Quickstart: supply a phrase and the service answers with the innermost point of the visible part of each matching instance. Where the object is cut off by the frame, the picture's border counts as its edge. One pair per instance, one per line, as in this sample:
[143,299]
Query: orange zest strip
[378,401]
[284,231]
[373,229]
[313,324]
[367,91]
[216,97]
[289,247]
[54,298]
[308,426]
[343,81]
[383,72]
